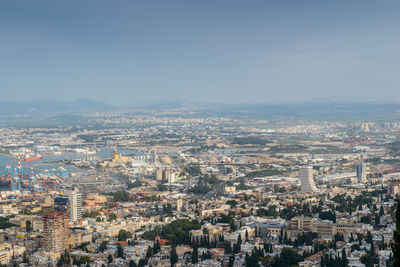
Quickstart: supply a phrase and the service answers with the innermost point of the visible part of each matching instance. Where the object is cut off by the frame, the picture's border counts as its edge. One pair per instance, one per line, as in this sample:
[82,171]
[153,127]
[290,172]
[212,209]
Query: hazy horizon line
[344,99]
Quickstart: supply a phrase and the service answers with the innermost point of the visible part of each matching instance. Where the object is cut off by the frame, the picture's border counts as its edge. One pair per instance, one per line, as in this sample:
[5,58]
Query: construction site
[55,230]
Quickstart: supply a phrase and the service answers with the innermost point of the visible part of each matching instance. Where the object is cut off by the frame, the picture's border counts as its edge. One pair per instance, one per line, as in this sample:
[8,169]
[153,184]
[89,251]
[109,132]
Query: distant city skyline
[129,52]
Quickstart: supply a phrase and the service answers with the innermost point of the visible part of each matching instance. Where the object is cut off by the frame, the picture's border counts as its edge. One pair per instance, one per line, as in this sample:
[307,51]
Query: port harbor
[31,177]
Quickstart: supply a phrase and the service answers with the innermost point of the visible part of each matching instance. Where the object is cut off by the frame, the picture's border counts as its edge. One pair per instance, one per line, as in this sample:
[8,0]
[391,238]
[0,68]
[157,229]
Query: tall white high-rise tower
[362,173]
[74,204]
[307,180]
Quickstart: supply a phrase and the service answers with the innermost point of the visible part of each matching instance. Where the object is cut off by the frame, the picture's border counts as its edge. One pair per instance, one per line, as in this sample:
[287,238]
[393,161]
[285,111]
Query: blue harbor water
[49,162]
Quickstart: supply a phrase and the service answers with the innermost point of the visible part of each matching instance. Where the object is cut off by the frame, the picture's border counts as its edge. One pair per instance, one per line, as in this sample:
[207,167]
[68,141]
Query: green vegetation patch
[250,140]
[264,173]
[176,232]
[4,223]
[205,184]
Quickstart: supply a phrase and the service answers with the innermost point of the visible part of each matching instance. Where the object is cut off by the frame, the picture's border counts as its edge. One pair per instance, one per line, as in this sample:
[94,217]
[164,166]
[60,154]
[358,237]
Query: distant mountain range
[325,111]
[301,110]
[38,108]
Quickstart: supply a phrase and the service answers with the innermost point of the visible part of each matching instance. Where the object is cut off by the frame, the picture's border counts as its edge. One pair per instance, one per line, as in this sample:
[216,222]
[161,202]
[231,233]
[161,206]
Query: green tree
[396,238]
[28,226]
[84,260]
[369,238]
[377,220]
[4,223]
[167,209]
[176,232]
[381,211]
[287,258]
[61,261]
[110,258]
[103,246]
[269,260]
[193,170]
[285,239]
[120,251]
[123,235]
[24,257]
[328,215]
[156,247]
[83,246]
[112,217]
[121,196]
[149,252]
[231,260]
[195,254]
[236,247]
[174,257]
[92,214]
[232,203]
[345,261]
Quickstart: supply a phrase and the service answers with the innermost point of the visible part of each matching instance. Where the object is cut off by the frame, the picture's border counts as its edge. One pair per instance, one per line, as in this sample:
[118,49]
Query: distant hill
[325,111]
[37,108]
[300,110]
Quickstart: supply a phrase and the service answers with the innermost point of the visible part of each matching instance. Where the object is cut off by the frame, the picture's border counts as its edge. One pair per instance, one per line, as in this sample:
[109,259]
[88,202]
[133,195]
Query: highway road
[219,188]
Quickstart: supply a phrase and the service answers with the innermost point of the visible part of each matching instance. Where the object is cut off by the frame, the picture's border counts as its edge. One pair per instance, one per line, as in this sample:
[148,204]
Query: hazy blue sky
[206,50]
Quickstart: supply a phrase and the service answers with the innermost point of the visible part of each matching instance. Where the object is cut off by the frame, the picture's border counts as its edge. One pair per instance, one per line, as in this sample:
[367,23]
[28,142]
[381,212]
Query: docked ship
[35,158]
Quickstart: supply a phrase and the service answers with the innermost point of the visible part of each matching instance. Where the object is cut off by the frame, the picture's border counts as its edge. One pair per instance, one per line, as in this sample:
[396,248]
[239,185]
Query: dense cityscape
[161,190]
[199,133]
